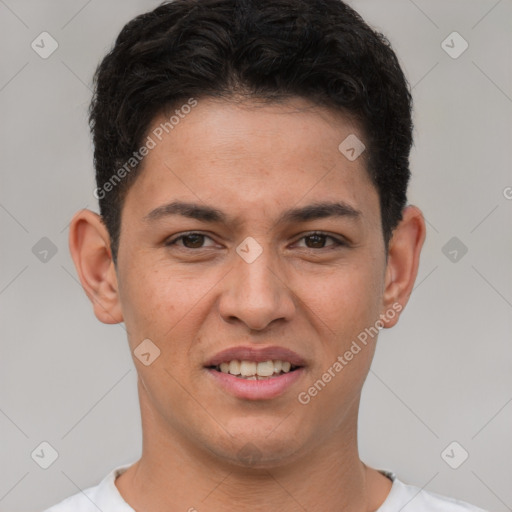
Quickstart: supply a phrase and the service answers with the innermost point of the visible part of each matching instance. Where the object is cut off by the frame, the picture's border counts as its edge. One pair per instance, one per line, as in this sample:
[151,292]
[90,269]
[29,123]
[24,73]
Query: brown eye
[193,241]
[189,241]
[318,241]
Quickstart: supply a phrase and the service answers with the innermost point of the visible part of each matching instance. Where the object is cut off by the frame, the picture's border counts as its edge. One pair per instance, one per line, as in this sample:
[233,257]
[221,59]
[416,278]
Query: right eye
[192,240]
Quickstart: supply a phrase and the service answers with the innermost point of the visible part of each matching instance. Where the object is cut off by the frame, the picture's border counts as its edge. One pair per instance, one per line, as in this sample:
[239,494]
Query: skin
[198,296]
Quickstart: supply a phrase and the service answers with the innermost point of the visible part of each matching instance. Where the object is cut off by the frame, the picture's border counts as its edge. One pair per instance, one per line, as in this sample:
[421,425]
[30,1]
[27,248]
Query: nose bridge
[256,294]
[255,276]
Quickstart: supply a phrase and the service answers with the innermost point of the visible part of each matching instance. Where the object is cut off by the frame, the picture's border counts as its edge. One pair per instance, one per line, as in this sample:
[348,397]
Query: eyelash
[337,242]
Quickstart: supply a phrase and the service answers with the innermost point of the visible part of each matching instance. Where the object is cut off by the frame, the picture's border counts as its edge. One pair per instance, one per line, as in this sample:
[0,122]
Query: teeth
[248,368]
[251,370]
[265,369]
[234,367]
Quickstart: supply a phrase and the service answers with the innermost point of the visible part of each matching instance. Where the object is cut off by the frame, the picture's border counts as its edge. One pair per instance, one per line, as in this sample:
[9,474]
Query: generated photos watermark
[152,141]
[304,397]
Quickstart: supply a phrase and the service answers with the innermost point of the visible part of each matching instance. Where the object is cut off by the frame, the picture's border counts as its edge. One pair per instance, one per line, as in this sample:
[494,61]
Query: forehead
[252,158]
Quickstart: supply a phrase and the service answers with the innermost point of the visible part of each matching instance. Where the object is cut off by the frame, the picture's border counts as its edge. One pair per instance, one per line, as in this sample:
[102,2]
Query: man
[252,167]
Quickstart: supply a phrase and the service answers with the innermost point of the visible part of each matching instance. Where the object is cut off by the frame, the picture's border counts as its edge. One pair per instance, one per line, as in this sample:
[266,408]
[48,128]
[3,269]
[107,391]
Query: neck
[175,475]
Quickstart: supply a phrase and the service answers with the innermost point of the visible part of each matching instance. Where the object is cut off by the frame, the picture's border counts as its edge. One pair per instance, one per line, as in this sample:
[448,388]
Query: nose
[256,293]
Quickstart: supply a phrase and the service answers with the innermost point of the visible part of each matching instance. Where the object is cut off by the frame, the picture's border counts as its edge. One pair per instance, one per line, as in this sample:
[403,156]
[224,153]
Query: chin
[259,450]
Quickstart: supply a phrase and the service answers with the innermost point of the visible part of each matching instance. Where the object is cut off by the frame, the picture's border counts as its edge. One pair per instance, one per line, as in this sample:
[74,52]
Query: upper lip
[257,355]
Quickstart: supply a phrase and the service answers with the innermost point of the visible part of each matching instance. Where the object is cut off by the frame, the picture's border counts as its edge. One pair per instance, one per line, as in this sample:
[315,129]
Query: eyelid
[172,241]
[338,240]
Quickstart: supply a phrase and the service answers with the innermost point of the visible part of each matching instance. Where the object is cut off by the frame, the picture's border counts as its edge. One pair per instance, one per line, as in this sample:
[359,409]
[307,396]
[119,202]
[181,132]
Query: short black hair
[272,50]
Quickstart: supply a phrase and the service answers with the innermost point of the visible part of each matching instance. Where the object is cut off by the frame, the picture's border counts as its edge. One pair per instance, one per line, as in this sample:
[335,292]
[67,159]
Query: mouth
[252,370]
[255,373]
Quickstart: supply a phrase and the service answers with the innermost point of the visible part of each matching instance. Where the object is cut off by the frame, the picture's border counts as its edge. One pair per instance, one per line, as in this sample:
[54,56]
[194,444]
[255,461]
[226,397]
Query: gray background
[443,374]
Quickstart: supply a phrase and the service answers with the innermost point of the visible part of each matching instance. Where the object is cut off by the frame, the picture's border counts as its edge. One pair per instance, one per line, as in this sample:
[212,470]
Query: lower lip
[264,389]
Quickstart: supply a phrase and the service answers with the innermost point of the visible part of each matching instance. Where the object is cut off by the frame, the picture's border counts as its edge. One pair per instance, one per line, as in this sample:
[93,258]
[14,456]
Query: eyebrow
[318,210]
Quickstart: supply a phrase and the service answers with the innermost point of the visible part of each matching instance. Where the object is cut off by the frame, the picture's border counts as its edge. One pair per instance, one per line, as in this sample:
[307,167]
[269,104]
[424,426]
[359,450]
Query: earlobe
[89,244]
[403,262]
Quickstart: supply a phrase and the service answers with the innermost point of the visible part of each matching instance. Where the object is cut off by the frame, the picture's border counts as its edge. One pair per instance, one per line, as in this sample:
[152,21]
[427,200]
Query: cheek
[149,301]
[346,300]
[348,305]
[165,305]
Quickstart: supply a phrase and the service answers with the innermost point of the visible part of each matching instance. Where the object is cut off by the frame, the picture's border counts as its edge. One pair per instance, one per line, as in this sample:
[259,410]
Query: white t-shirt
[106,497]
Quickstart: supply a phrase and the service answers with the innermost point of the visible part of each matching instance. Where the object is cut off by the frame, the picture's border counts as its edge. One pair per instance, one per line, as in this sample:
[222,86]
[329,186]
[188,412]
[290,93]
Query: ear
[89,244]
[403,262]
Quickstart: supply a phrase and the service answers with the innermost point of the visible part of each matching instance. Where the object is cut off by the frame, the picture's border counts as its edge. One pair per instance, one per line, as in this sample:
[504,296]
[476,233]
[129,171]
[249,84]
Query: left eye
[318,240]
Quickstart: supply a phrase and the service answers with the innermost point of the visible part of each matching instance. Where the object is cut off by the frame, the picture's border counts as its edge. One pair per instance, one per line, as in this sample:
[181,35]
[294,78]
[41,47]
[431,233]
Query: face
[248,236]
